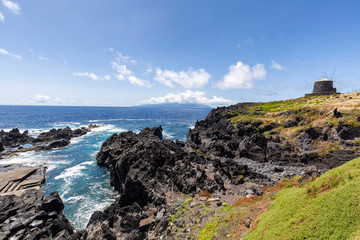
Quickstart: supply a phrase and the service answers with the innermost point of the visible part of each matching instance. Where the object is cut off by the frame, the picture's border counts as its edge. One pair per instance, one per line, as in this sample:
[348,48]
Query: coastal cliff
[221,182]
[322,131]
[169,190]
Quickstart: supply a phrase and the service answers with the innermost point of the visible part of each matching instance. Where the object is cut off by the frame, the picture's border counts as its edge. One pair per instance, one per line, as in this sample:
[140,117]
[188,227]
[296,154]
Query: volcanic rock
[14,137]
[29,217]
[55,138]
[219,136]
[144,168]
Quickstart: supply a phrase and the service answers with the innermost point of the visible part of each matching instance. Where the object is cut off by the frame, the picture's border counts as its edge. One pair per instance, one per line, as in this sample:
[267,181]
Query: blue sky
[124,53]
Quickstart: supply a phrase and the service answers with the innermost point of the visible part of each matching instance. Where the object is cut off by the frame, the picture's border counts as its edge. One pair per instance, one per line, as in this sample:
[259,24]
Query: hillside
[251,170]
[319,132]
[323,131]
[325,208]
[225,181]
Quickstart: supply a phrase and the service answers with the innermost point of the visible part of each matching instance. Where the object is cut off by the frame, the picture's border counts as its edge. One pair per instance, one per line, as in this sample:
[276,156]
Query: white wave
[167,135]
[93,154]
[74,199]
[65,124]
[86,209]
[88,163]
[73,172]
[192,127]
[34,159]
[119,119]
[62,123]
[108,128]
[53,165]
[7,129]
[26,159]
[76,140]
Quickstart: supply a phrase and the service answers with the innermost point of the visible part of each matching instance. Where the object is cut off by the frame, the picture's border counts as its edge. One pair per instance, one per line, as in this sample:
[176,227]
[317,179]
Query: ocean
[72,170]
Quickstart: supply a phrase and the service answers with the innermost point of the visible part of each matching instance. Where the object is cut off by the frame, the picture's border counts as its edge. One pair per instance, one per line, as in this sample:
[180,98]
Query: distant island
[175,105]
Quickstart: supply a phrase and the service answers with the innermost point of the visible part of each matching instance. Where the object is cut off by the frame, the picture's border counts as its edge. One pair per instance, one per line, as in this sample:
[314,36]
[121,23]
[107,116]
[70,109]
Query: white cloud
[58,100]
[92,76]
[149,69]
[137,81]
[123,73]
[39,98]
[124,59]
[189,80]
[121,69]
[44,99]
[4,52]
[189,97]
[241,76]
[246,42]
[277,66]
[2,18]
[43,58]
[12,6]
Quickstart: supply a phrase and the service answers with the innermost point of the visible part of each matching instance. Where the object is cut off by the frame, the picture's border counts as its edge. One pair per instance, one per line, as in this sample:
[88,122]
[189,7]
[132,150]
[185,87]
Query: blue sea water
[72,170]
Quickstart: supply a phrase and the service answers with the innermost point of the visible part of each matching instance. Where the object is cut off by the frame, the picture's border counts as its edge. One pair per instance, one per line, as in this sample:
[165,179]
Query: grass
[209,231]
[309,108]
[306,112]
[326,208]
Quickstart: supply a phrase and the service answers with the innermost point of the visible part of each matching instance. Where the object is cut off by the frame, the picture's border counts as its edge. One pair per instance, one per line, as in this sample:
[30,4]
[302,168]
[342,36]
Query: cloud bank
[4,52]
[189,97]
[92,76]
[241,76]
[44,99]
[188,80]
[12,6]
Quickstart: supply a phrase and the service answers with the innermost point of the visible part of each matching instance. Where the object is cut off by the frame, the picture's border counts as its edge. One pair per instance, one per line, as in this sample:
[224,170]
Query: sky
[126,53]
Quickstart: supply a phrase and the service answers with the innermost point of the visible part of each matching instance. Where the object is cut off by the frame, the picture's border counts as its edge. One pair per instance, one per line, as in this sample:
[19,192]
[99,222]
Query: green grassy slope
[326,208]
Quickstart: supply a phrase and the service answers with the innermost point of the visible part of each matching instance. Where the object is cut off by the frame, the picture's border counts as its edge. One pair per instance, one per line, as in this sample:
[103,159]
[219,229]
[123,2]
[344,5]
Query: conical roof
[324,80]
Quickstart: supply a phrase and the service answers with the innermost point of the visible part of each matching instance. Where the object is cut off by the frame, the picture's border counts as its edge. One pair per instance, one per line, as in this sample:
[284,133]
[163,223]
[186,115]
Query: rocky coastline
[148,170]
[24,212]
[259,141]
[235,152]
[14,142]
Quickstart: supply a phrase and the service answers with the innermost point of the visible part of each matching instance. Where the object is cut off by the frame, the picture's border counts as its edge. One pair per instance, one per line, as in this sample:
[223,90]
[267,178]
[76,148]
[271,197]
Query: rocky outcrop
[13,141]
[219,136]
[14,137]
[29,216]
[146,170]
[61,134]
[56,138]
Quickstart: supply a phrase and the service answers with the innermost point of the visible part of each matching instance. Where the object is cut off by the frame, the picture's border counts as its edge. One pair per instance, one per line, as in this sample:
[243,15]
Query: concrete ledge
[15,179]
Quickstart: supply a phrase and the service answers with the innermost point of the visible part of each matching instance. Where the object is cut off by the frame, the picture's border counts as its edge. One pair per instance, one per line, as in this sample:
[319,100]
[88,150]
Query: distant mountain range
[175,105]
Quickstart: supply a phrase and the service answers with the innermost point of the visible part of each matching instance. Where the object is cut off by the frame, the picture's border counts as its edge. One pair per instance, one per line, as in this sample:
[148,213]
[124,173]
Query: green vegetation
[288,119]
[208,232]
[308,108]
[326,208]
